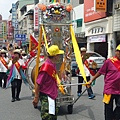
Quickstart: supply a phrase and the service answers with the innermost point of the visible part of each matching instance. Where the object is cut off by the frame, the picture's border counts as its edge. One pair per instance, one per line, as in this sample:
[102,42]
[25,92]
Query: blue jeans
[80,80]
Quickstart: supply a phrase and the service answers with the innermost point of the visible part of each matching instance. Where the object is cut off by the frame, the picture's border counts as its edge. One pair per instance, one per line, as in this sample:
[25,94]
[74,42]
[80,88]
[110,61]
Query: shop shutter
[116,21]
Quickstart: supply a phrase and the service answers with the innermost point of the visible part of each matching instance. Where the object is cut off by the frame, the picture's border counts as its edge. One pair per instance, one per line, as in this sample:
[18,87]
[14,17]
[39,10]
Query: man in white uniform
[87,72]
[24,56]
[17,81]
[3,67]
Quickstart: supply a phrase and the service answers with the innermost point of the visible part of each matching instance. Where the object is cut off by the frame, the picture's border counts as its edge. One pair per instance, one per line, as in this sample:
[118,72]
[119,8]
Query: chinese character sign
[20,37]
[36,18]
[14,16]
[4,30]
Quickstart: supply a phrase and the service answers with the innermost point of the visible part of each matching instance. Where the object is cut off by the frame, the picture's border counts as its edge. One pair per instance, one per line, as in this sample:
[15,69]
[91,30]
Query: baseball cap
[54,50]
[83,49]
[118,47]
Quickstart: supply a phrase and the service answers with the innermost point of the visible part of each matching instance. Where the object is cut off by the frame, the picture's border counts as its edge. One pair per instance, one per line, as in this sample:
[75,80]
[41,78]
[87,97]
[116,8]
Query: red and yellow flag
[33,43]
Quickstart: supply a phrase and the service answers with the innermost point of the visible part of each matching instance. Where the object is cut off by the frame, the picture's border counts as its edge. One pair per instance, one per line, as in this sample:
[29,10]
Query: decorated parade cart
[55,27]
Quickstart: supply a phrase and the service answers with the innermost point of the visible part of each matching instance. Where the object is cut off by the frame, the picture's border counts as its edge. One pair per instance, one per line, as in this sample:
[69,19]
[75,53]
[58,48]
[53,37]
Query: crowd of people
[12,65]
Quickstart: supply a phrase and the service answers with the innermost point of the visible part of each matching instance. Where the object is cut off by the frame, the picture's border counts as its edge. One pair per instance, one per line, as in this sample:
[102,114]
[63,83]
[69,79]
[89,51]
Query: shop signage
[14,16]
[101,5]
[36,18]
[97,30]
[89,12]
[20,37]
[97,38]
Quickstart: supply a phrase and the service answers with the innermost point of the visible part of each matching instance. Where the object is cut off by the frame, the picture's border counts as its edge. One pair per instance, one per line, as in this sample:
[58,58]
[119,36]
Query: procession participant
[0,52]
[16,65]
[3,67]
[46,85]
[87,72]
[24,56]
[4,48]
[111,72]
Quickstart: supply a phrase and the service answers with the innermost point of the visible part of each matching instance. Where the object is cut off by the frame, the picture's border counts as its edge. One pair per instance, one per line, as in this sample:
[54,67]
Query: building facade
[116,23]
[99,28]
[99,36]
[79,26]
[23,19]
[10,30]
[3,32]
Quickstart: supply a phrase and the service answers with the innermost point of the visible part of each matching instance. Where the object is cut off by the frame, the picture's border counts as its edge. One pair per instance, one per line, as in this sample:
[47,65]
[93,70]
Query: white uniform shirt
[87,72]
[2,67]
[24,58]
[21,62]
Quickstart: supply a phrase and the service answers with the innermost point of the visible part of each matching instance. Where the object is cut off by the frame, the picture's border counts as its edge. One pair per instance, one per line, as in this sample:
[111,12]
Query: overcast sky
[5,6]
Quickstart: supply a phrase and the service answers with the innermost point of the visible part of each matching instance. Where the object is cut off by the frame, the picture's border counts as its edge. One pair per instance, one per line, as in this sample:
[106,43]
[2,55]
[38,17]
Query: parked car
[97,58]
[93,57]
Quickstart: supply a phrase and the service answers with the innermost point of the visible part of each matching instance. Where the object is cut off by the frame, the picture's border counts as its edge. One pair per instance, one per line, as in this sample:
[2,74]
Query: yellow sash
[115,62]
[52,72]
[106,98]
[17,65]
[4,62]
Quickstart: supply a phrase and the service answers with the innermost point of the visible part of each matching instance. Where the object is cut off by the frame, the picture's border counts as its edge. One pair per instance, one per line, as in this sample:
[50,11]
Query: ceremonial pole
[38,55]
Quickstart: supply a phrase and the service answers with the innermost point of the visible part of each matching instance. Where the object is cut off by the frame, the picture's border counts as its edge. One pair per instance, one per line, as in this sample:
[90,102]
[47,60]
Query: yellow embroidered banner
[77,54]
[44,34]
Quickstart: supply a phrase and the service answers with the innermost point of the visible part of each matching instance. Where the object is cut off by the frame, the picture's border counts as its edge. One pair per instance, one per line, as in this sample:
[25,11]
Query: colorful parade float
[55,27]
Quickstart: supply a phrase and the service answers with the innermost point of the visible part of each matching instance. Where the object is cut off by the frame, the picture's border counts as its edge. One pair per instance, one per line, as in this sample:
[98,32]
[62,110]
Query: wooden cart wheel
[70,109]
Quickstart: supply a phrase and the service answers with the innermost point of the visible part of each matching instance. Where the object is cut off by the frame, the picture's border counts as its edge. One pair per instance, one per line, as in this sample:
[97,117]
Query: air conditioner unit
[116,6]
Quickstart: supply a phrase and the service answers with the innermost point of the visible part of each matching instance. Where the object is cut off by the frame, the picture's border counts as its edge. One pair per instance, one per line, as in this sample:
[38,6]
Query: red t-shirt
[111,78]
[47,84]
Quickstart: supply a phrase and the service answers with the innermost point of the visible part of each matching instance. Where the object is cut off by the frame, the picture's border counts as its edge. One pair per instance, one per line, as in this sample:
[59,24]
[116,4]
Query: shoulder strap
[115,62]
[87,65]
[48,68]
[17,65]
[4,62]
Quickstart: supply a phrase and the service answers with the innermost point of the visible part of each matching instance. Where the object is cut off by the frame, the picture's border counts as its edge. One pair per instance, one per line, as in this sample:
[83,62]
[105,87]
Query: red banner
[89,12]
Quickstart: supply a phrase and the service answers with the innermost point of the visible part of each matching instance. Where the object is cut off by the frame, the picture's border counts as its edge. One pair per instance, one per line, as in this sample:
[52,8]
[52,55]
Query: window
[79,23]
[94,55]
[81,1]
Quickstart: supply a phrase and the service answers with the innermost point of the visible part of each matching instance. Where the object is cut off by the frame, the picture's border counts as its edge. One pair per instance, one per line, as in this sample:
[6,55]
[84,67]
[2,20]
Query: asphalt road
[83,109]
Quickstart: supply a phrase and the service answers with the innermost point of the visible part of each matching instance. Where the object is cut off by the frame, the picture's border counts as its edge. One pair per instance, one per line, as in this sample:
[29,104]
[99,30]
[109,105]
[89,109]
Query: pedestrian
[46,86]
[15,78]
[24,56]
[87,72]
[4,60]
[111,72]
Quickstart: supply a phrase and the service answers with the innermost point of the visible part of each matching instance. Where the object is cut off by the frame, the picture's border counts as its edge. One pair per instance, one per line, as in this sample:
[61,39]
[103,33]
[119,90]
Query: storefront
[116,24]
[81,39]
[99,36]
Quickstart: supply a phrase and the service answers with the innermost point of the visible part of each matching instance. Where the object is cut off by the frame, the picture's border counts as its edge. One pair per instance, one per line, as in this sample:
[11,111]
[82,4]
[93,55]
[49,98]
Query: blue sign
[20,37]
[14,17]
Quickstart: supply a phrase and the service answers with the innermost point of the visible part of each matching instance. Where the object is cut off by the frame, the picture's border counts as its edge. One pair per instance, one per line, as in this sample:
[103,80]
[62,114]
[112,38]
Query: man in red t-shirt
[111,72]
[46,86]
